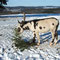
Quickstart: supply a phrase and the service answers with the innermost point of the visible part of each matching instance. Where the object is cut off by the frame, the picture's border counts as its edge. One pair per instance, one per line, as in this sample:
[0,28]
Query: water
[28,15]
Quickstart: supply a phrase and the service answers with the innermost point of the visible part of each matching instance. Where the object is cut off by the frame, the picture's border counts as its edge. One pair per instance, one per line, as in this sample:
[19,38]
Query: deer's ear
[18,21]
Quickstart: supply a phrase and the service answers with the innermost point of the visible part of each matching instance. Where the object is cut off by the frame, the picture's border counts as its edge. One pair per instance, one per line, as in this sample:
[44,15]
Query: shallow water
[28,15]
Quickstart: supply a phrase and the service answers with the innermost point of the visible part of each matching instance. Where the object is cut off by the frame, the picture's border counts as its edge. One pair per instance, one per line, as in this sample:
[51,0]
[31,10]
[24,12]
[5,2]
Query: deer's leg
[34,35]
[56,36]
[38,38]
[53,37]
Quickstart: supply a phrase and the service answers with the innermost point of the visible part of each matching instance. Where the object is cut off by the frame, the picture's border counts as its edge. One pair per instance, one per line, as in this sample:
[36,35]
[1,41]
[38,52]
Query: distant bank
[30,10]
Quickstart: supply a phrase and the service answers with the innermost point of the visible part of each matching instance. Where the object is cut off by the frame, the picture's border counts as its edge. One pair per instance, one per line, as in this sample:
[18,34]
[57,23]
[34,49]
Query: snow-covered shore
[43,52]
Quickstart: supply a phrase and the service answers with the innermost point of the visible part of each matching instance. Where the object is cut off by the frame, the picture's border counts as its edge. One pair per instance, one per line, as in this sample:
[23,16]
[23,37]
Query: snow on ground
[43,52]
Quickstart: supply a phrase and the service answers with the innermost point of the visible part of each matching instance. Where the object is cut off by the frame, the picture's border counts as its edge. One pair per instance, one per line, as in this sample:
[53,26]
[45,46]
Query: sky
[33,3]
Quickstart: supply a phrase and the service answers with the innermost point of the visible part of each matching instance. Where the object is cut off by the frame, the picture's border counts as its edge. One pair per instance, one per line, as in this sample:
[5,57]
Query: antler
[24,16]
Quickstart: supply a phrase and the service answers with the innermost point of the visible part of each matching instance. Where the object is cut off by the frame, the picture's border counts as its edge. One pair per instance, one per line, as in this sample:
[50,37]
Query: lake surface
[28,15]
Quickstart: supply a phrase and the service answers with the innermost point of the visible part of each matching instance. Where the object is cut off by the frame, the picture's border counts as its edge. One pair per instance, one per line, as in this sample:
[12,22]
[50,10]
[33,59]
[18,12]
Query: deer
[40,25]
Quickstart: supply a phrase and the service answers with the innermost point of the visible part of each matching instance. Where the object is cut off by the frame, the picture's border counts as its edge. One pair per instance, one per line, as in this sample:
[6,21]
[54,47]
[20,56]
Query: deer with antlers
[42,26]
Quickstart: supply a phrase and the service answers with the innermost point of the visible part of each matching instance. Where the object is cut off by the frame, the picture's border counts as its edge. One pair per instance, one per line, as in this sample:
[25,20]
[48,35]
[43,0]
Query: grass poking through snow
[20,43]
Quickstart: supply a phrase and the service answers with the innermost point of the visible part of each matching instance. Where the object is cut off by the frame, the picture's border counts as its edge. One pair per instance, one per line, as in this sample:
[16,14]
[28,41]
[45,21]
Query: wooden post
[24,16]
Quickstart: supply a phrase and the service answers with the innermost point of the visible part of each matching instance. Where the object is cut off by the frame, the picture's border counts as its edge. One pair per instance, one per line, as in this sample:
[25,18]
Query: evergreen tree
[3,2]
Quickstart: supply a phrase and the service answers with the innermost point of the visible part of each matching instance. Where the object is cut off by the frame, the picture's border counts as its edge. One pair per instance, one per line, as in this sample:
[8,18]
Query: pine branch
[19,43]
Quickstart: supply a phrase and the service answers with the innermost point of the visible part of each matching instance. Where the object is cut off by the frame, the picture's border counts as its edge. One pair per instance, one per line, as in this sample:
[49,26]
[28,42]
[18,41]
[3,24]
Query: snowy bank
[43,52]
